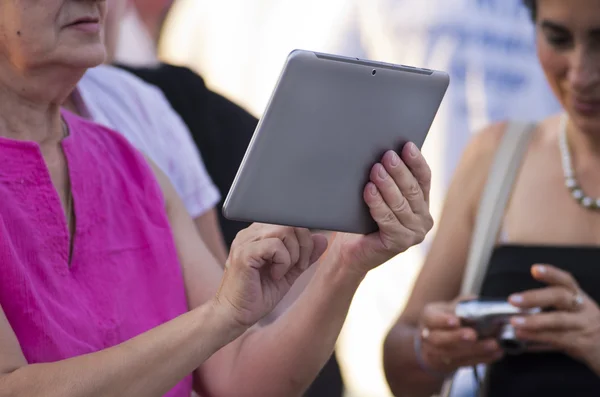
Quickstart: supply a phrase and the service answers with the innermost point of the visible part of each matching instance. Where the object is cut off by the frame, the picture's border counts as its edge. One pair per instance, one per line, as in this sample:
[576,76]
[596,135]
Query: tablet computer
[328,121]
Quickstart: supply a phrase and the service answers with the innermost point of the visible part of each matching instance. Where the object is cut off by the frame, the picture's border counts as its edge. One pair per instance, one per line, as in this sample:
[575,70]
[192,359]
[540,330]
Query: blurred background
[239,47]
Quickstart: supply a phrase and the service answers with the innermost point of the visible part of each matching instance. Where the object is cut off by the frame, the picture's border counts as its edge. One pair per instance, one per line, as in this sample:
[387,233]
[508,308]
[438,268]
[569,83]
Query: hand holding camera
[573,327]
[471,331]
[492,319]
[446,344]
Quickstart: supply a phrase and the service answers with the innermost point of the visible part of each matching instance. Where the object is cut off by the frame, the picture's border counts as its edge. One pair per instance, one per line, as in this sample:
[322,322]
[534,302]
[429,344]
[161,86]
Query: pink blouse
[124,277]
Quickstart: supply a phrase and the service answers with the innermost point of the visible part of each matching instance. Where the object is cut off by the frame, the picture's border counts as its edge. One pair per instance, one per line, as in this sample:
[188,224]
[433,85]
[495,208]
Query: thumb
[319,247]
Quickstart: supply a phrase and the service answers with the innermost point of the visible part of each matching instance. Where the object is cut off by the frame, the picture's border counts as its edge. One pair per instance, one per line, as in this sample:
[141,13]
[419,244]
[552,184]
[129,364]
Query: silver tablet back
[329,120]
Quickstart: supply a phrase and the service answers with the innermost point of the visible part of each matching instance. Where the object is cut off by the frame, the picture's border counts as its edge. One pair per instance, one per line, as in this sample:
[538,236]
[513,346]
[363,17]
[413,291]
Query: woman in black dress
[553,218]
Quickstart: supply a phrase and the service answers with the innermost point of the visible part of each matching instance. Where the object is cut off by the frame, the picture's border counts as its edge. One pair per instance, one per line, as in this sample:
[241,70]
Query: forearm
[403,372]
[283,358]
[148,365]
[301,341]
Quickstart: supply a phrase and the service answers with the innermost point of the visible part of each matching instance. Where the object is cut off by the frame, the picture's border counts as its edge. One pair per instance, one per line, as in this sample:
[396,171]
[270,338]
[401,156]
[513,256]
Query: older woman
[548,253]
[101,290]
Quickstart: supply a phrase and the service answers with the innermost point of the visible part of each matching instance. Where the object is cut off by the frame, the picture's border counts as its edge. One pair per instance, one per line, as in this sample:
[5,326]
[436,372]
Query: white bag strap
[492,204]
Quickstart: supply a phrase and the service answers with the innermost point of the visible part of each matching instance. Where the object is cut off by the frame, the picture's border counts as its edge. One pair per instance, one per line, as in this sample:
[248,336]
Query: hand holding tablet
[330,119]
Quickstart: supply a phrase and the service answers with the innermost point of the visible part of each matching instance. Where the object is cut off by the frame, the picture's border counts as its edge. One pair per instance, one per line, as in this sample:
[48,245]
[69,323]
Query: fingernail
[539,269]
[382,172]
[518,321]
[467,336]
[372,190]
[395,160]
[452,322]
[516,299]
[412,150]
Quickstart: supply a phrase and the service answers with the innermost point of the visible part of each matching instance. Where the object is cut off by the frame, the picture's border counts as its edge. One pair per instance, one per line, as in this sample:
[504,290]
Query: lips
[84,20]
[586,106]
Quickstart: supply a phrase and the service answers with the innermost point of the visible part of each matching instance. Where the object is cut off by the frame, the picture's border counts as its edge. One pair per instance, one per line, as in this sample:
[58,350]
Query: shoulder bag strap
[495,196]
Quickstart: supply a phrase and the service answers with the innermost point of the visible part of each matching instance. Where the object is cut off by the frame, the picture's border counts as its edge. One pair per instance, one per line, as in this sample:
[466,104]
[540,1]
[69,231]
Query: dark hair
[532,7]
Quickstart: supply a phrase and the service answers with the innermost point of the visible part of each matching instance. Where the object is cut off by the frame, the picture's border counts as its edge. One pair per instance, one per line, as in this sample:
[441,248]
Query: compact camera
[491,319]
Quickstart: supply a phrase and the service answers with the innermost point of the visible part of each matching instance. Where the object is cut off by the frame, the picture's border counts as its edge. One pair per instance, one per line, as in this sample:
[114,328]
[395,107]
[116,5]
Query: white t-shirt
[121,101]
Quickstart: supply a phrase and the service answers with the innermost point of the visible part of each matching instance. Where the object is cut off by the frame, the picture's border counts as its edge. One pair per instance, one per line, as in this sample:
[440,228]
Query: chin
[86,57]
[589,124]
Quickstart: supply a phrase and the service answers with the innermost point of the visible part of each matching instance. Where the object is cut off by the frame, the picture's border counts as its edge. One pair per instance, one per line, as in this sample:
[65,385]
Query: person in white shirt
[140,112]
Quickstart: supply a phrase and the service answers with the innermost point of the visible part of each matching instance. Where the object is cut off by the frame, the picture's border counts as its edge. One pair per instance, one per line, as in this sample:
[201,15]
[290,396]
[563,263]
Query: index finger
[273,252]
[306,243]
[414,160]
[553,276]
[287,235]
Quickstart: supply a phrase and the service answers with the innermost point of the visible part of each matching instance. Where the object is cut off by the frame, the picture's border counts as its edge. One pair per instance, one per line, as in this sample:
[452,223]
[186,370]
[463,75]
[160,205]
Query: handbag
[497,190]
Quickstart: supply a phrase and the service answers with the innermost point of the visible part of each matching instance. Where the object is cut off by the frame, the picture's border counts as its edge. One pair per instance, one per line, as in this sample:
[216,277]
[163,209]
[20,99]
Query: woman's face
[39,33]
[569,50]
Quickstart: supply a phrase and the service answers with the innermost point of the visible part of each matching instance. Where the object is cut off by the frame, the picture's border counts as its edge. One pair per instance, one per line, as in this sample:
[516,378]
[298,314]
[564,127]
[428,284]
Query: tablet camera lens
[374,72]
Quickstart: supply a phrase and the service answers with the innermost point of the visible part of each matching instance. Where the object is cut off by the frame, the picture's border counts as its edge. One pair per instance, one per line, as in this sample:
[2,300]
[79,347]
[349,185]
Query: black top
[541,374]
[221,129]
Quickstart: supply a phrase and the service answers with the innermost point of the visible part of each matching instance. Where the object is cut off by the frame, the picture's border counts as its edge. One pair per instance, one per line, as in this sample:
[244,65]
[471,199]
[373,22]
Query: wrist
[334,272]
[220,317]
[593,360]
[424,365]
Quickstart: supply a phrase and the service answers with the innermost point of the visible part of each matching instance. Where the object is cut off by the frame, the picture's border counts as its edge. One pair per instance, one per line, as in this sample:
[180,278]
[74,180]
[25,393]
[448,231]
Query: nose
[584,70]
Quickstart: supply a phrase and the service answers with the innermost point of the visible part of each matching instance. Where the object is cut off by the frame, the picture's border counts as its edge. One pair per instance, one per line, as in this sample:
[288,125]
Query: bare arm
[442,272]
[134,368]
[287,349]
[292,350]
[283,358]
[210,232]
[148,365]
